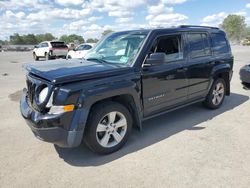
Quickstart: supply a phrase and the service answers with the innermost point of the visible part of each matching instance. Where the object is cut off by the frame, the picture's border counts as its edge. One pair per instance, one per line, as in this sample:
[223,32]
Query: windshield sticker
[124,59]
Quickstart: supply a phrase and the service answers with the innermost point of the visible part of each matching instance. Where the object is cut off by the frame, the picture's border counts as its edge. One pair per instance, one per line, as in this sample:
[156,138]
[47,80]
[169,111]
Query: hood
[63,71]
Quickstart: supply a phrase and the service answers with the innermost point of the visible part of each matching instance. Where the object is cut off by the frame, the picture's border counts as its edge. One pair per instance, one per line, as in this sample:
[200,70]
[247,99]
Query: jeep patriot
[128,77]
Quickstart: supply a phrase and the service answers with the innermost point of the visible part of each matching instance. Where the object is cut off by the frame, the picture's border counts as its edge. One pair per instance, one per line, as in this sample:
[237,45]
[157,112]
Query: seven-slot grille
[31,91]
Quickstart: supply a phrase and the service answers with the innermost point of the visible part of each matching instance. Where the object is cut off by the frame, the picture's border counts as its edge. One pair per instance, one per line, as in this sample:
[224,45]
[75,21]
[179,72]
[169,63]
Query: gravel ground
[191,147]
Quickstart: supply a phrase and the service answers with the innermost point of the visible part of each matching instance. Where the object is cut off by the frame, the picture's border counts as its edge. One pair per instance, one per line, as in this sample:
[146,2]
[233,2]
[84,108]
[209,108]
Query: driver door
[164,85]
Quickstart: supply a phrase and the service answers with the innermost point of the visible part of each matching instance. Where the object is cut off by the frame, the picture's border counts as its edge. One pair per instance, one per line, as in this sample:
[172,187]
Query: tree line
[32,39]
[234,25]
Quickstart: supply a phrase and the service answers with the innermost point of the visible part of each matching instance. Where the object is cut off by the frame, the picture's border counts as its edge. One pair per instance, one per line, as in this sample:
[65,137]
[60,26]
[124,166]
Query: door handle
[183,69]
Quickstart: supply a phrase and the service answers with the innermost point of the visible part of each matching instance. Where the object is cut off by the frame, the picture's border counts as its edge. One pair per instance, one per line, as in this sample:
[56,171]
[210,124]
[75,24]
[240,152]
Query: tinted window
[171,46]
[206,44]
[219,43]
[44,45]
[88,47]
[81,47]
[58,45]
[198,45]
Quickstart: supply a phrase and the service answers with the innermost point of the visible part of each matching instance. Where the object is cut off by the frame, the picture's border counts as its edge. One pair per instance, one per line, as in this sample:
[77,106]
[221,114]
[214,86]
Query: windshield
[118,48]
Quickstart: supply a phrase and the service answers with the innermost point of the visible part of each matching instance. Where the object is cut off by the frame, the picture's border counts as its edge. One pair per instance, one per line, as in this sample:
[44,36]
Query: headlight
[43,94]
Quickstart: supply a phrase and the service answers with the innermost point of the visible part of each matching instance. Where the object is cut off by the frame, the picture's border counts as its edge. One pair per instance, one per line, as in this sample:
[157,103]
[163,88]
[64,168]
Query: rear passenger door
[200,64]
[41,49]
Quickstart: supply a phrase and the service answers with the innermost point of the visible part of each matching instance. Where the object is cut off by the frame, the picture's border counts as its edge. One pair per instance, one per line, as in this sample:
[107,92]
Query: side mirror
[156,59]
[35,46]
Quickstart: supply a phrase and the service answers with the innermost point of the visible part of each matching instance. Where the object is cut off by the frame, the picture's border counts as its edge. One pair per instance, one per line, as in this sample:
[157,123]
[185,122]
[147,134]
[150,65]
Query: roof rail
[197,26]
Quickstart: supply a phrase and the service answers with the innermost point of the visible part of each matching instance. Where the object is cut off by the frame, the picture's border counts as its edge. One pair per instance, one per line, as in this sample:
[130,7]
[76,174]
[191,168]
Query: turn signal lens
[68,108]
[61,109]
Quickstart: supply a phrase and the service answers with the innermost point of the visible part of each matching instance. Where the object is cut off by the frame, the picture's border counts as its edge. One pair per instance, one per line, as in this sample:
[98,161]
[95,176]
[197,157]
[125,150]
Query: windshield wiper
[96,59]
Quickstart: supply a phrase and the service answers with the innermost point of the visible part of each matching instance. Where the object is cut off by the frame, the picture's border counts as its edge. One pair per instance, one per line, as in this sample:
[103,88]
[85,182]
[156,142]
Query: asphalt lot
[191,147]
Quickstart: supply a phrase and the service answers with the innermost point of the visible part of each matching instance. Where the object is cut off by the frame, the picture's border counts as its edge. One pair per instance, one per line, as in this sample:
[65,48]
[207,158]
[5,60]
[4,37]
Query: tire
[35,57]
[114,123]
[47,57]
[68,57]
[216,94]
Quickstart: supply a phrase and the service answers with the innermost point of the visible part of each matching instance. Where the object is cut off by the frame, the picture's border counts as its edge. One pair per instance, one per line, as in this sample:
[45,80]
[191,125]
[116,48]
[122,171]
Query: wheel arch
[126,100]
[223,72]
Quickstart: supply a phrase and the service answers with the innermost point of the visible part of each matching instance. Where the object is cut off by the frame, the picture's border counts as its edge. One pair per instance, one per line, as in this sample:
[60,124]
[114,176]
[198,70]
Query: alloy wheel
[218,93]
[111,129]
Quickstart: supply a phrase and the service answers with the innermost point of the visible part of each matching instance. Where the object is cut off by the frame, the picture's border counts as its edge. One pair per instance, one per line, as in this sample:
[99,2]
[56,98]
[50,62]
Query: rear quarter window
[219,43]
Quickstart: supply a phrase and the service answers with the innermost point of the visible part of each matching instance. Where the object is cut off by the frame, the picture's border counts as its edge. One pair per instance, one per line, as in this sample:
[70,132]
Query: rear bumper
[59,53]
[57,135]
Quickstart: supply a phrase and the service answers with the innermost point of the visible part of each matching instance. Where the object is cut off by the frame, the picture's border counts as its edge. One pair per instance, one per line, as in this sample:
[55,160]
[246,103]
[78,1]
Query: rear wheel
[108,127]
[47,56]
[35,57]
[216,94]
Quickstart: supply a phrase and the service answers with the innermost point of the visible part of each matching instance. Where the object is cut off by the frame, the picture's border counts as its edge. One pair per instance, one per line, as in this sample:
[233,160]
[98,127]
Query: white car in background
[50,49]
[80,51]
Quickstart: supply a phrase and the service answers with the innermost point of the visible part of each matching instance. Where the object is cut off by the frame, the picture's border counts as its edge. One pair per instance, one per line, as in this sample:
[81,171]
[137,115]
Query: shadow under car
[154,130]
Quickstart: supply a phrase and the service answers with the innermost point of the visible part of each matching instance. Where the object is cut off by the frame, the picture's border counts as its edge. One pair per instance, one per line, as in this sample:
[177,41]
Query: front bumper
[43,125]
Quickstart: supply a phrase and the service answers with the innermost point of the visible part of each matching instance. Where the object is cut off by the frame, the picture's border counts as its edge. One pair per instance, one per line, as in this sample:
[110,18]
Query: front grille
[31,91]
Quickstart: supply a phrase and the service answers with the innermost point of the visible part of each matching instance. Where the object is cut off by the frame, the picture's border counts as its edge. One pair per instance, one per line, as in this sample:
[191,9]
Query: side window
[198,45]
[171,46]
[206,44]
[88,47]
[81,47]
[219,43]
[44,45]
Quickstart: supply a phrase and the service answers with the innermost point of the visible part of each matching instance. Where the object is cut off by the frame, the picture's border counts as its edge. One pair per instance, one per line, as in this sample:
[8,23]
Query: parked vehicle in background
[80,51]
[50,49]
[245,75]
[246,41]
[126,78]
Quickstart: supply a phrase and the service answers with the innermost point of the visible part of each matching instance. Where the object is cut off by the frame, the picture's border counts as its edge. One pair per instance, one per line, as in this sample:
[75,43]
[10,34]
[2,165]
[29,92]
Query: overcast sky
[90,17]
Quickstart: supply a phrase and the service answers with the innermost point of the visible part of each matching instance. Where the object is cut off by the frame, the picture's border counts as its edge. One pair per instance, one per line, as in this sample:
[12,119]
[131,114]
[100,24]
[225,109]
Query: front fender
[125,85]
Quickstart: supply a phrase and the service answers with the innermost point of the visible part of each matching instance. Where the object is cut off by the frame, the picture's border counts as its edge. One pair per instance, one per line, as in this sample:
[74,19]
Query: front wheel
[216,94]
[108,127]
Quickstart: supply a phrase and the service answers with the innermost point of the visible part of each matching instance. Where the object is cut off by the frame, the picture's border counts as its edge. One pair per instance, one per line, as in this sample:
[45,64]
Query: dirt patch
[5,74]
[14,62]
[15,96]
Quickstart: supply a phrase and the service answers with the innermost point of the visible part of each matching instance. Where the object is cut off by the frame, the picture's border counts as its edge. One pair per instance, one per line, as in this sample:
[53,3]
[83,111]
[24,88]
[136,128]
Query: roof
[178,28]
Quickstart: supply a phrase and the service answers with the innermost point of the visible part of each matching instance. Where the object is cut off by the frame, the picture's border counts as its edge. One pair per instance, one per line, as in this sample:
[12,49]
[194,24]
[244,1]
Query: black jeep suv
[126,78]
